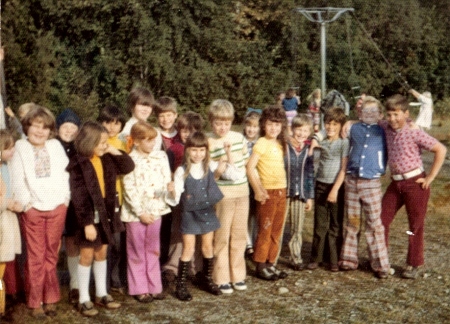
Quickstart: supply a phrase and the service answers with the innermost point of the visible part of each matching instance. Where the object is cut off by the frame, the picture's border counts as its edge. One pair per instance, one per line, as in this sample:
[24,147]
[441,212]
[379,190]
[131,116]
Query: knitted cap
[67,116]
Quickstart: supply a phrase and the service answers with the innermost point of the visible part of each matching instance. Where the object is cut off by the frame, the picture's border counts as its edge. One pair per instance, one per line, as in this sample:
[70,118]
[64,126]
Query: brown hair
[397,102]
[142,130]
[6,140]
[41,115]
[88,138]
[164,104]
[336,114]
[139,96]
[190,120]
[198,139]
[277,115]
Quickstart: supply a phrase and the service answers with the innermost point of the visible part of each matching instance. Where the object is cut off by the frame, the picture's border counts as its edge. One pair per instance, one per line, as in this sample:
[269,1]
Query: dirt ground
[314,296]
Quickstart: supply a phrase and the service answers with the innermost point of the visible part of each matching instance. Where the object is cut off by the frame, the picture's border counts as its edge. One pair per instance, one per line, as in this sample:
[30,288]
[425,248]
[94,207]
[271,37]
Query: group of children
[131,199]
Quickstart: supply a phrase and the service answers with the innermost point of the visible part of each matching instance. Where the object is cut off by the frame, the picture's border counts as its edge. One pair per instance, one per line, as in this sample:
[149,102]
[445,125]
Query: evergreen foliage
[84,54]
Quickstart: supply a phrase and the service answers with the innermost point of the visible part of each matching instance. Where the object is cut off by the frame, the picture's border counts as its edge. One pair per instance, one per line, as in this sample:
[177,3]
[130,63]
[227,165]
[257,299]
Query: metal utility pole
[323,16]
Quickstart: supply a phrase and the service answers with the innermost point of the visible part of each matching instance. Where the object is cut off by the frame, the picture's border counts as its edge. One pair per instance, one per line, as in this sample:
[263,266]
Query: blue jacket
[368,153]
[300,173]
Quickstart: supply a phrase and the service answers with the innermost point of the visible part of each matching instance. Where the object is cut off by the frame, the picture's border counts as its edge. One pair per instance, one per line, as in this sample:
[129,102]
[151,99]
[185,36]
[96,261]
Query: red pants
[415,199]
[270,224]
[42,231]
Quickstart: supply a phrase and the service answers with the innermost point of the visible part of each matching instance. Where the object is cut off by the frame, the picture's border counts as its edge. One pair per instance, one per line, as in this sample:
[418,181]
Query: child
[425,116]
[93,173]
[290,105]
[166,114]
[300,186]
[329,196]
[112,118]
[366,164]
[146,191]
[187,124]
[10,243]
[251,134]
[269,185]
[410,185]
[67,124]
[315,99]
[231,238]
[194,182]
[140,106]
[41,185]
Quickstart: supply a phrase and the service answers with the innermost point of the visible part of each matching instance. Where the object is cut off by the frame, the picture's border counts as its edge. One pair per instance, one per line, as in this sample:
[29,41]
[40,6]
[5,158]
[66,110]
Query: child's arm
[439,151]
[260,192]
[332,196]
[308,205]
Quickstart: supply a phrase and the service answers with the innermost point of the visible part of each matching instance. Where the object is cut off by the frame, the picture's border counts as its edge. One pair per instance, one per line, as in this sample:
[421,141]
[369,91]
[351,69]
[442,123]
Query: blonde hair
[369,100]
[198,139]
[25,108]
[142,130]
[221,109]
[302,120]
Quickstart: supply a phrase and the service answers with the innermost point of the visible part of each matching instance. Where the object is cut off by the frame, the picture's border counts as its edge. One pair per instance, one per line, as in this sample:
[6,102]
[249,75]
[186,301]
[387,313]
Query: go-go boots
[182,292]
[206,282]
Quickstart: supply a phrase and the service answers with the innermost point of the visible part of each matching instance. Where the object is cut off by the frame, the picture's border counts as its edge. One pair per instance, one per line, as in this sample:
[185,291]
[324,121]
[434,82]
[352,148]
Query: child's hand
[147,219]
[262,196]
[227,147]
[171,187]
[90,232]
[345,131]
[112,150]
[220,168]
[308,205]
[9,111]
[14,206]
[332,196]
[314,144]
[425,182]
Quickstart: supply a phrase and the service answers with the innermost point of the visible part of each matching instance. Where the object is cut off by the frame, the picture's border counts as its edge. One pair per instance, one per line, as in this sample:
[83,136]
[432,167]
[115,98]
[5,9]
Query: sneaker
[280,273]
[87,309]
[226,289]
[240,285]
[410,272]
[107,301]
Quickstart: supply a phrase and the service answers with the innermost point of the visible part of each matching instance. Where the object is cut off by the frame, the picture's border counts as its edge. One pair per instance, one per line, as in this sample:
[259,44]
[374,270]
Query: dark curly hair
[277,115]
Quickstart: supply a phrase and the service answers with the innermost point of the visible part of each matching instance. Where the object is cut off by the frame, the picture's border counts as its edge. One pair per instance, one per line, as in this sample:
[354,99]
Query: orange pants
[270,225]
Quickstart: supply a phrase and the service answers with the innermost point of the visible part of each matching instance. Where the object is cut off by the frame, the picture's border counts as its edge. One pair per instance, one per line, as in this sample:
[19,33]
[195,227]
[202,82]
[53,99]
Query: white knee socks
[100,278]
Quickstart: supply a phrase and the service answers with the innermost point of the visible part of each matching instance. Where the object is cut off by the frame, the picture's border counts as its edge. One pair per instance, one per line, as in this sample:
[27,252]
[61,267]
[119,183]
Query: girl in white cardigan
[40,184]
[146,191]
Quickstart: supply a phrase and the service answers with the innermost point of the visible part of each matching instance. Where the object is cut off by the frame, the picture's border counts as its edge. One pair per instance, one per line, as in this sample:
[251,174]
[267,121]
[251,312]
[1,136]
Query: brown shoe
[38,313]
[107,301]
[50,310]
[312,266]
[382,274]
[334,268]
[74,296]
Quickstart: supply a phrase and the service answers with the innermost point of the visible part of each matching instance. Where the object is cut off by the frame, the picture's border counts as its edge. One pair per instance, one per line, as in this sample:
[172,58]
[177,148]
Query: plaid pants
[366,193]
